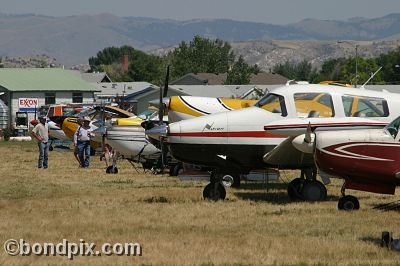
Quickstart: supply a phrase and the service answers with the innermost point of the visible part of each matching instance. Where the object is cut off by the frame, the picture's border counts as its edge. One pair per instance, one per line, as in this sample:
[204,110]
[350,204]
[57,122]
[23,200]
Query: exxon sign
[28,104]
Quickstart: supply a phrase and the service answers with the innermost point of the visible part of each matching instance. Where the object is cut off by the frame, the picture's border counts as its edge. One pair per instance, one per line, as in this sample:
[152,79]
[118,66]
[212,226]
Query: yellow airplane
[71,124]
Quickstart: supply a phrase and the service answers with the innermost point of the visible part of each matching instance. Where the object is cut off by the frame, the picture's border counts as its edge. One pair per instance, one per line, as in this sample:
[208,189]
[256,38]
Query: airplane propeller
[154,132]
[163,94]
[307,137]
[305,142]
[151,129]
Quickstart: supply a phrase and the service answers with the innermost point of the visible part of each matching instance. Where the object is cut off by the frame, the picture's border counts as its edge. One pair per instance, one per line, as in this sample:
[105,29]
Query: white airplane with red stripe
[259,137]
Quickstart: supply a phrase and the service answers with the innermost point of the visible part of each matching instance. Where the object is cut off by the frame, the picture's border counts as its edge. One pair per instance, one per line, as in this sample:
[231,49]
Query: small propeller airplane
[367,159]
[131,141]
[235,142]
[186,107]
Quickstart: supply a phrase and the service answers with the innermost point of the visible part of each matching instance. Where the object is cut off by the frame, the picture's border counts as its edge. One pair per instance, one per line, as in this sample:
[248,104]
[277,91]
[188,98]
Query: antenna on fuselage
[373,75]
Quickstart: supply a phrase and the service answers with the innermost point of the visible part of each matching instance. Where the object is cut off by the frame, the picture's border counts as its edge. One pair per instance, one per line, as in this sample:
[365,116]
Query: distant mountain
[72,40]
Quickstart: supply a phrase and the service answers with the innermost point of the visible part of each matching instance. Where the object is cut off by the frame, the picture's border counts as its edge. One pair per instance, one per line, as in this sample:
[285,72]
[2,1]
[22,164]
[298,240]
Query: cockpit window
[273,103]
[313,104]
[362,106]
[393,127]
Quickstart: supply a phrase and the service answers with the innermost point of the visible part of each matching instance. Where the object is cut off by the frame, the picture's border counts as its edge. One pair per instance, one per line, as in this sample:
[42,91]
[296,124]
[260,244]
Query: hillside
[72,40]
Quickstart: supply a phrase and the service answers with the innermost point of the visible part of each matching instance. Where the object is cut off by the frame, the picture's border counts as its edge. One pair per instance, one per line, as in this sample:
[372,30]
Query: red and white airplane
[235,142]
[367,160]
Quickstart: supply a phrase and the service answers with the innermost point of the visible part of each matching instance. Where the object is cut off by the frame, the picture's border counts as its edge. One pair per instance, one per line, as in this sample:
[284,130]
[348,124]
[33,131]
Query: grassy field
[256,225]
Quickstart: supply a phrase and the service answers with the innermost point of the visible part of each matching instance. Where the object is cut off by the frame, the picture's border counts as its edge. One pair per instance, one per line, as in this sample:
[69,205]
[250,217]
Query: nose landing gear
[347,202]
[215,189]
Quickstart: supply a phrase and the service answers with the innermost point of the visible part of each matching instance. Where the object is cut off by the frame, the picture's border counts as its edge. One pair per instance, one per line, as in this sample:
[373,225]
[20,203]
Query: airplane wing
[286,155]
[297,126]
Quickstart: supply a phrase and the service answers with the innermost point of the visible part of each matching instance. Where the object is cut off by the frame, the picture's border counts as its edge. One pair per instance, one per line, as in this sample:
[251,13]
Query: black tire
[51,148]
[314,191]
[236,180]
[92,152]
[348,203]
[171,170]
[176,169]
[294,189]
[209,192]
[112,170]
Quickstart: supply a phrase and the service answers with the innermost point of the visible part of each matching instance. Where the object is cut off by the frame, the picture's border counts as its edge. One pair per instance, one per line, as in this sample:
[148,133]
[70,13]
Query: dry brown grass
[174,224]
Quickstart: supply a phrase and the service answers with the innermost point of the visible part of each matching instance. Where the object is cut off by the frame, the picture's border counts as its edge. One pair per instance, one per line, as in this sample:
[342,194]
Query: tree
[296,71]
[391,66]
[240,72]
[331,70]
[142,67]
[201,55]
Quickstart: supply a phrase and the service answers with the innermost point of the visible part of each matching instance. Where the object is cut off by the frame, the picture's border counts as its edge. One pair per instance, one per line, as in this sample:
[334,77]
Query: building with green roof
[26,89]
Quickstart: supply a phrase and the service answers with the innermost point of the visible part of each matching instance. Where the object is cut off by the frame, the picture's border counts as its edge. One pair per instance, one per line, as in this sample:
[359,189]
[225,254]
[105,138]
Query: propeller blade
[166,83]
[307,137]
[162,95]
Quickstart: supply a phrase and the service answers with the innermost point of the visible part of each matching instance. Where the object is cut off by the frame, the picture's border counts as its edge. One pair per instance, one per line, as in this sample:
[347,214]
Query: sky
[278,12]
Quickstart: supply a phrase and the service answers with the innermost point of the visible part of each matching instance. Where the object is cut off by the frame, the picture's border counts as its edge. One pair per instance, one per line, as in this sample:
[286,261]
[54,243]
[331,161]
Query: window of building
[49,98]
[362,106]
[77,97]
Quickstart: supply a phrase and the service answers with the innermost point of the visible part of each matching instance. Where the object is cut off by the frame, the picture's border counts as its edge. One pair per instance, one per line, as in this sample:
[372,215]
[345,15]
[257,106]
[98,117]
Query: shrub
[6,134]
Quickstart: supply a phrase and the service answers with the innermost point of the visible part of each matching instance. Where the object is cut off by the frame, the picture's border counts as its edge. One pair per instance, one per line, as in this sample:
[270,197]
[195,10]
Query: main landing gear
[215,190]
[347,202]
[307,187]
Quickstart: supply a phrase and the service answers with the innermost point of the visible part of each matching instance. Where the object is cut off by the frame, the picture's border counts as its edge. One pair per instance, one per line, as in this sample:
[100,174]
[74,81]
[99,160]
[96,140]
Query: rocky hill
[72,40]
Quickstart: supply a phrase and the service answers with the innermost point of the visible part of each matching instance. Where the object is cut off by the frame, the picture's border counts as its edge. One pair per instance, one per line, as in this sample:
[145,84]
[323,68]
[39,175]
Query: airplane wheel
[294,188]
[51,148]
[171,170]
[175,170]
[348,203]
[314,191]
[112,170]
[92,152]
[236,180]
[210,193]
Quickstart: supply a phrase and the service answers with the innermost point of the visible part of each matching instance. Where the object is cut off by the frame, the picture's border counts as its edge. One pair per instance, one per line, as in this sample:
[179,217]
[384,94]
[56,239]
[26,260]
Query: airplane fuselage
[368,160]
[237,138]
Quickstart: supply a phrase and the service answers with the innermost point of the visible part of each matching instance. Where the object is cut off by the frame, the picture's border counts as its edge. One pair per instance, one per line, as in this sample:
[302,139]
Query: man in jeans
[82,138]
[41,133]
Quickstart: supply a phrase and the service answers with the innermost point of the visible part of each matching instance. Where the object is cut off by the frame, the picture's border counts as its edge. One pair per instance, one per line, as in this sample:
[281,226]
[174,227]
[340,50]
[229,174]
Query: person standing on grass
[82,139]
[76,152]
[41,133]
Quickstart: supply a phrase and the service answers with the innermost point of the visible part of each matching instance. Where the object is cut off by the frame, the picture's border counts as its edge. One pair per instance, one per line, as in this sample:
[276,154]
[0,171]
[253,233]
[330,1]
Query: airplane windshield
[273,103]
[393,127]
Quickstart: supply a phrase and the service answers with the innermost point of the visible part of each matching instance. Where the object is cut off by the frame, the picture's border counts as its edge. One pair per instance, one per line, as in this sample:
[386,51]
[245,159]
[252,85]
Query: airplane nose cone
[303,146]
[157,132]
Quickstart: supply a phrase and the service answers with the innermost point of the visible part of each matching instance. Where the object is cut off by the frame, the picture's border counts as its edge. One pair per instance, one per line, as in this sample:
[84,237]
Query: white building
[25,90]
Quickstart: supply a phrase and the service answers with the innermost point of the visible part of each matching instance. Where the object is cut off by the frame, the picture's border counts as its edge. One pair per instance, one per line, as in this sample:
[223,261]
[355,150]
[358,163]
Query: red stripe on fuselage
[240,134]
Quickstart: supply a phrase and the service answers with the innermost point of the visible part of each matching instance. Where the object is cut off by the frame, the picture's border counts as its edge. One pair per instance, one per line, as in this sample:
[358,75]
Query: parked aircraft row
[301,126]
[236,142]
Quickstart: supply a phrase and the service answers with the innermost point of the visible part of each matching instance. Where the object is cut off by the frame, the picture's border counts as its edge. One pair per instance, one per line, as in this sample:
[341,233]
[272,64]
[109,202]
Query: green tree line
[343,70]
[203,55]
